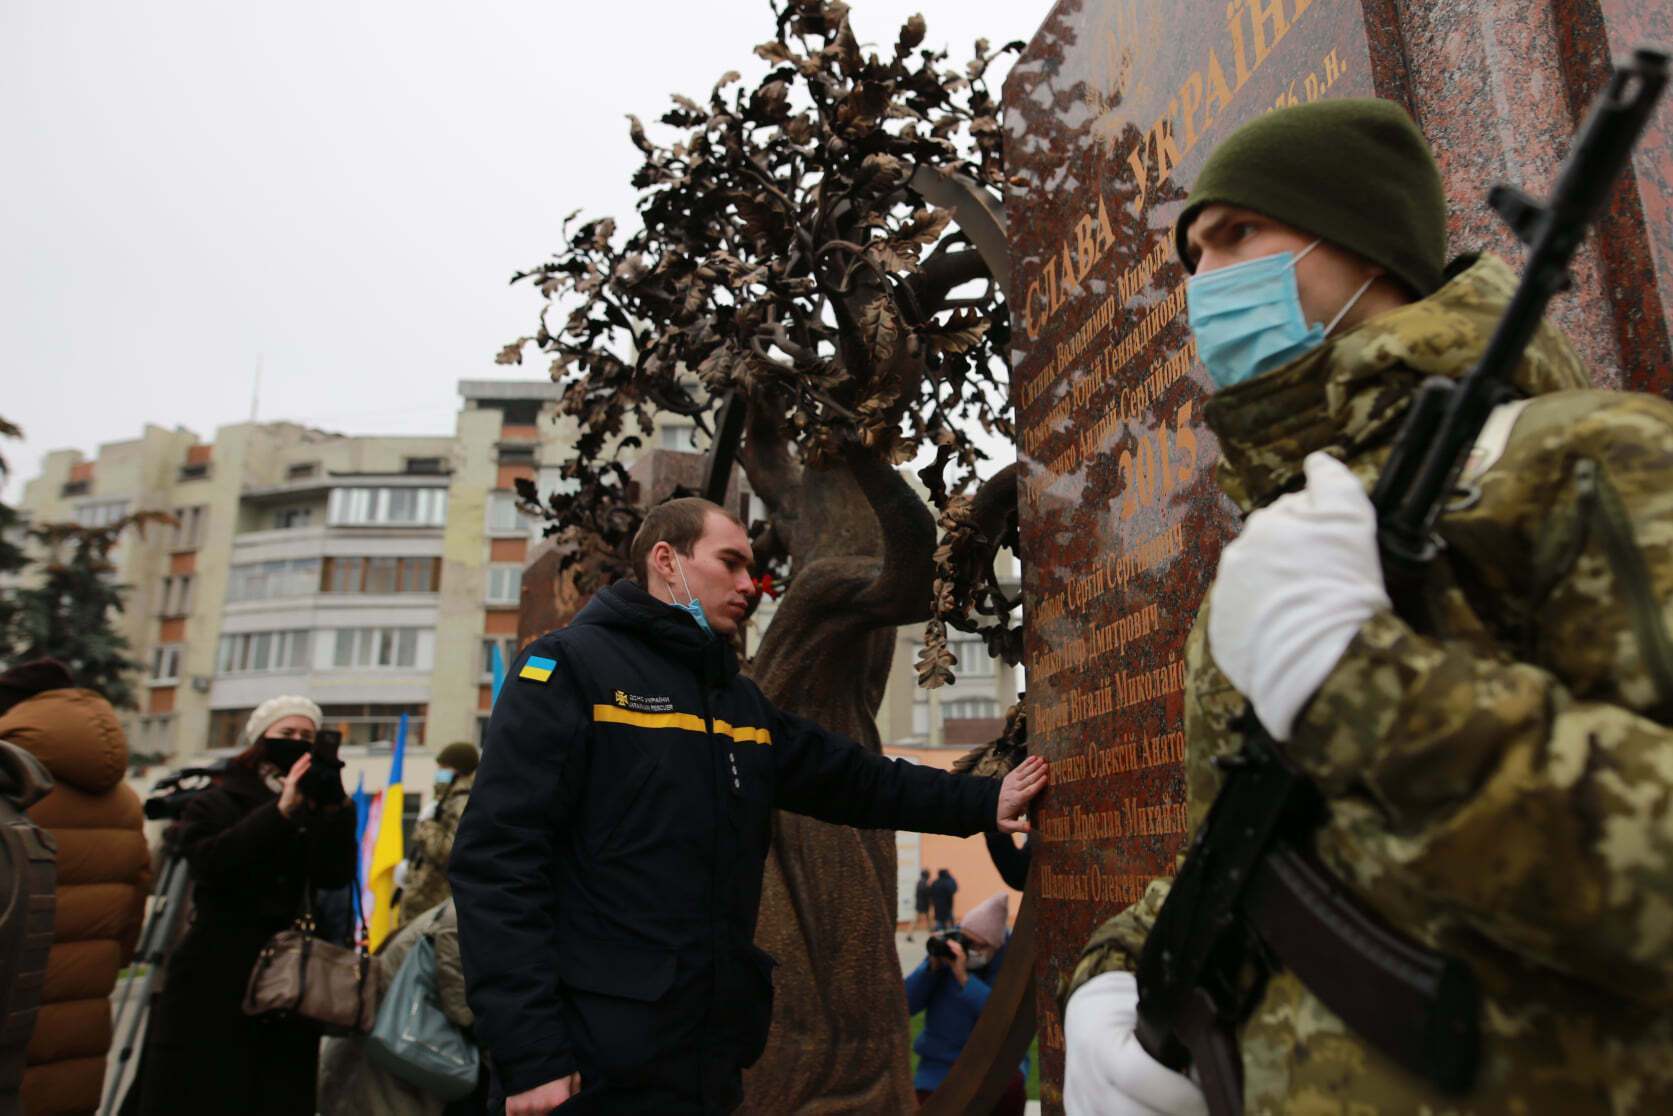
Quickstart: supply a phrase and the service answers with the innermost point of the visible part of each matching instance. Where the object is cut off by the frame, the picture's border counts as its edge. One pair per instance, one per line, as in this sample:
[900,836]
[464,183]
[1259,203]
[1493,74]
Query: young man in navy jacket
[608,868]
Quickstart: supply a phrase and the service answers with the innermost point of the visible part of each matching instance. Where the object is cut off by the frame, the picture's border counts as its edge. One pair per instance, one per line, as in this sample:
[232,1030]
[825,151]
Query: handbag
[300,975]
[413,1039]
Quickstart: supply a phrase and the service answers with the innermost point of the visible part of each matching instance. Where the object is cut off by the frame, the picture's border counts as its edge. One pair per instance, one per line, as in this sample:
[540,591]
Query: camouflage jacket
[1501,783]
[432,844]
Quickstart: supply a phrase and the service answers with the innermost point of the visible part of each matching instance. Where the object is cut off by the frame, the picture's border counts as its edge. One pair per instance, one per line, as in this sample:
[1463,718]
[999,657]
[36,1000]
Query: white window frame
[374,507]
[100,513]
[381,648]
[188,527]
[165,663]
[508,652]
[284,651]
[973,658]
[504,516]
[505,584]
[178,593]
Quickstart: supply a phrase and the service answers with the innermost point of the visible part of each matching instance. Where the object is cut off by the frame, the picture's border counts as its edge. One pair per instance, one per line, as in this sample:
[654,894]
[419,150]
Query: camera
[173,793]
[936,945]
[323,782]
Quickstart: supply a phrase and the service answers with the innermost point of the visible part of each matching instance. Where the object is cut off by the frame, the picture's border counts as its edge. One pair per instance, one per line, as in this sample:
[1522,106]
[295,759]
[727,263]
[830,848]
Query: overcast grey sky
[341,189]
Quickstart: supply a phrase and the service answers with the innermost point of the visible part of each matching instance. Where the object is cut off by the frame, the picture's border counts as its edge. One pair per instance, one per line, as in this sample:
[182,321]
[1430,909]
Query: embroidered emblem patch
[537,669]
[621,699]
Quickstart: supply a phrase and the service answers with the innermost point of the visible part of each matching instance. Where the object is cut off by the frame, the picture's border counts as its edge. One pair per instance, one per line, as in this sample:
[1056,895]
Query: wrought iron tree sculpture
[787,257]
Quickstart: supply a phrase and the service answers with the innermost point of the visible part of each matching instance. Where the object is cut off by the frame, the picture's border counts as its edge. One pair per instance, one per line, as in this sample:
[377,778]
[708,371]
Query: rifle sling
[1212,1041]
[1417,1006]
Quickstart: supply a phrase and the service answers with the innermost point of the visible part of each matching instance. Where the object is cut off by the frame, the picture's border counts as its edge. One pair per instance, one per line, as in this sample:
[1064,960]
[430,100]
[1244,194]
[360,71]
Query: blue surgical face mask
[693,606]
[1247,318]
[444,776]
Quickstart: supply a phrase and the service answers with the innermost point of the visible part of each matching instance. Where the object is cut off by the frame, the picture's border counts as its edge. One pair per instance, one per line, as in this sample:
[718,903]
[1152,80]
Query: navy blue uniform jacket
[607,871]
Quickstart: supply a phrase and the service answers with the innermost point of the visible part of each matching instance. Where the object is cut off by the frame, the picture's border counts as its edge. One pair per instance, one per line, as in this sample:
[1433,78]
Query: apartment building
[371,573]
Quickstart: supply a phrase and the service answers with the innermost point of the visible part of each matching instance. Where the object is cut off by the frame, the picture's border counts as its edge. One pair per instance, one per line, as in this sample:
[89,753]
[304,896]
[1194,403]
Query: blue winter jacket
[950,1014]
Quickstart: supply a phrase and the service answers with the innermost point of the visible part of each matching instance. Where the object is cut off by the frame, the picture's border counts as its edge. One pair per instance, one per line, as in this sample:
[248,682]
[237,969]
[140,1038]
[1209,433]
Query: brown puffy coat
[103,877]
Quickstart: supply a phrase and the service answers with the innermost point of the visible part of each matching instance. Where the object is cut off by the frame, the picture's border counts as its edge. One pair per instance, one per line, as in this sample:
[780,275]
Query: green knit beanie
[1356,172]
[461,757]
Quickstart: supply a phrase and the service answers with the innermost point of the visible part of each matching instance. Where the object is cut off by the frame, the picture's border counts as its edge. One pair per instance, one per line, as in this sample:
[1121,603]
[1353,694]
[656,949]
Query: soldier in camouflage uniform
[426,883]
[1499,778]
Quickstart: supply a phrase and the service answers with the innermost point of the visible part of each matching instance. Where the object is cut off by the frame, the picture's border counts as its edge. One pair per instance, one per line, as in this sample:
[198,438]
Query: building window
[677,437]
[262,652]
[195,471]
[380,648]
[375,507]
[153,739]
[419,575]
[287,518]
[969,709]
[301,470]
[515,455]
[165,664]
[75,488]
[504,517]
[505,584]
[271,581]
[425,465]
[381,575]
[188,527]
[508,652]
[973,658]
[100,513]
[177,595]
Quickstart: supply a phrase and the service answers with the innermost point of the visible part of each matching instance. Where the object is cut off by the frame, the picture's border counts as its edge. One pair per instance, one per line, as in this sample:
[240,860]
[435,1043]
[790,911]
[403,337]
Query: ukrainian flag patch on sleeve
[537,669]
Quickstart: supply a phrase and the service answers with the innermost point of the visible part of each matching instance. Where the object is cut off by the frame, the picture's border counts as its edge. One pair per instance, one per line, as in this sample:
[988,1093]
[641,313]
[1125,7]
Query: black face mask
[283,752]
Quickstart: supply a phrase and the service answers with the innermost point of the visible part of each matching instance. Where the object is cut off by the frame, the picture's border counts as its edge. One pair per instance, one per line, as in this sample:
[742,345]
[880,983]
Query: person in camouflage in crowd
[1498,777]
[426,883]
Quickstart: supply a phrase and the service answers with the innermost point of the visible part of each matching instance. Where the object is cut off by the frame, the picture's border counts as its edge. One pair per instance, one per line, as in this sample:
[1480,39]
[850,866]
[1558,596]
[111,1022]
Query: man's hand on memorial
[1026,780]
[542,1099]
[1293,590]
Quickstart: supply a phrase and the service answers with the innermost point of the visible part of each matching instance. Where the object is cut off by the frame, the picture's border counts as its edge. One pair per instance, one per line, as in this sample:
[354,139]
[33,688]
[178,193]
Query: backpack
[28,901]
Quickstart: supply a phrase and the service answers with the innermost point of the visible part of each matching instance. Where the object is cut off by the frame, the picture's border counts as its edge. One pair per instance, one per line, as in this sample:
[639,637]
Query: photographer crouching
[950,986]
[275,826]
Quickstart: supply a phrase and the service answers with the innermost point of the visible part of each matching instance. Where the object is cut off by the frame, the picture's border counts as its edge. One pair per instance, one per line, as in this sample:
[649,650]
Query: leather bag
[414,1039]
[300,975]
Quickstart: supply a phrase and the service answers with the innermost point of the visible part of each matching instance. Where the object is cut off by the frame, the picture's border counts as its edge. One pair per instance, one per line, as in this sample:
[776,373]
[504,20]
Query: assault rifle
[1251,894]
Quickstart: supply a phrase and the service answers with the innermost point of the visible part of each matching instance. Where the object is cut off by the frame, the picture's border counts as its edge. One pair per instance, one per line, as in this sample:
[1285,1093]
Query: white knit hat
[987,921]
[277,709]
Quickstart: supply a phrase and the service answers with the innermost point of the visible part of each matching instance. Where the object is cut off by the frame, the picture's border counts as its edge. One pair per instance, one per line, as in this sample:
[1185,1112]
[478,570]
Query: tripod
[168,905]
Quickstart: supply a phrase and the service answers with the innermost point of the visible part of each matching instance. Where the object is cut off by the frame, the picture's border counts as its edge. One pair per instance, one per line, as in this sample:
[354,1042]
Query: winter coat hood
[75,733]
[626,606]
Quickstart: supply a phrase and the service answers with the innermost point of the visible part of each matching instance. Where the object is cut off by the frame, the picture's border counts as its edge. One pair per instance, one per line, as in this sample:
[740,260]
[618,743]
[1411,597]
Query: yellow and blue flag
[537,669]
[390,848]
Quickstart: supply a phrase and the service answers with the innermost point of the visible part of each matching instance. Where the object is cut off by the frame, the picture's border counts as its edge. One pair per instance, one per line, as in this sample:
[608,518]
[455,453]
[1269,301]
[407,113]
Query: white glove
[428,810]
[1294,589]
[401,871]
[1105,1070]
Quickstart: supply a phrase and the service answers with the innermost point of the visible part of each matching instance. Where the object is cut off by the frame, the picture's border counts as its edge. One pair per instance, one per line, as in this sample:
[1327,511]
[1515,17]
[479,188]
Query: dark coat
[249,865]
[608,869]
[941,896]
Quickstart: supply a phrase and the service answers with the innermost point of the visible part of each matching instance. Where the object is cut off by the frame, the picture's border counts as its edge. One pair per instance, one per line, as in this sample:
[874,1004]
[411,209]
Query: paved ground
[911,953]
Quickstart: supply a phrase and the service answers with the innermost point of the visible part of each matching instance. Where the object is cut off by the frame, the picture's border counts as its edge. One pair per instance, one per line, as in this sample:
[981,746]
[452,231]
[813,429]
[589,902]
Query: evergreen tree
[69,614]
[12,558]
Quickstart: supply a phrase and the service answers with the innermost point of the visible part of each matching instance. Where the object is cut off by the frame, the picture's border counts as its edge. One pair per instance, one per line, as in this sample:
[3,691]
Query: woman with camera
[951,987]
[255,844]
